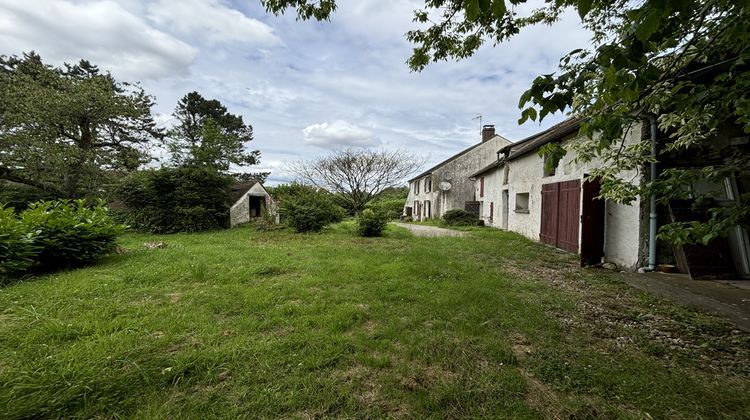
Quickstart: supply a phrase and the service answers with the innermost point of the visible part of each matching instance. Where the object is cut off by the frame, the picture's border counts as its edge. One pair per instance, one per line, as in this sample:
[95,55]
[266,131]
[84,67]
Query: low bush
[55,234]
[390,208]
[370,223]
[461,218]
[17,248]
[170,200]
[69,233]
[305,208]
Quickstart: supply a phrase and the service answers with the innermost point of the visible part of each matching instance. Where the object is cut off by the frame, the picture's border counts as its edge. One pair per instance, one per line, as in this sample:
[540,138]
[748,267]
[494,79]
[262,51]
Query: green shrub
[390,208]
[172,200]
[370,223]
[305,208]
[18,251]
[20,196]
[69,233]
[461,218]
[54,234]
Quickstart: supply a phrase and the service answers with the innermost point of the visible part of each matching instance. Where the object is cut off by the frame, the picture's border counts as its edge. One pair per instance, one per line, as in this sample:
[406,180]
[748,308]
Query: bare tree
[358,175]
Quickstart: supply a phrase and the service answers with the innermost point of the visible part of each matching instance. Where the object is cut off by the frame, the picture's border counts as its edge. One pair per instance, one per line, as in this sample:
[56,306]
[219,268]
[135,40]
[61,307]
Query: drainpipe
[652,204]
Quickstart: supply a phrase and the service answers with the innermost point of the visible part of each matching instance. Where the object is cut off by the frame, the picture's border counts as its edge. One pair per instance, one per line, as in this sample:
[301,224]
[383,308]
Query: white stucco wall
[526,175]
[493,183]
[460,168]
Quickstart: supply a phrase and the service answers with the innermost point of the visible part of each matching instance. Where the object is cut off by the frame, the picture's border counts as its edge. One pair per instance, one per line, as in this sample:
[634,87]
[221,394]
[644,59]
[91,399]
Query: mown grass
[241,323]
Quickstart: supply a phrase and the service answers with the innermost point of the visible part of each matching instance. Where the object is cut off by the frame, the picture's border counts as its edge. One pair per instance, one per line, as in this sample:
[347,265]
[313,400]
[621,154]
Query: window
[428,184]
[416,187]
[492,210]
[522,203]
[506,172]
[427,209]
[481,187]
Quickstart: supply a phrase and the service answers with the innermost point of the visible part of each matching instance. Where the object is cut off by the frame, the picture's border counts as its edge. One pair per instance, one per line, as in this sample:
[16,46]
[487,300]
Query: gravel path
[430,231]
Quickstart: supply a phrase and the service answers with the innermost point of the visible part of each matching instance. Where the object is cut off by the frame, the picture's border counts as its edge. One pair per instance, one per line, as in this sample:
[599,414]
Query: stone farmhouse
[446,186]
[249,200]
[559,207]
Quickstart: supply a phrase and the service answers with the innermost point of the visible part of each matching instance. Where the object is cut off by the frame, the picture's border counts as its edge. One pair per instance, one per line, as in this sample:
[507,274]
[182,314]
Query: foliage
[207,135]
[171,200]
[70,233]
[55,234]
[70,130]
[357,176]
[390,202]
[552,154]
[19,196]
[305,208]
[461,218]
[370,223]
[18,249]
[683,62]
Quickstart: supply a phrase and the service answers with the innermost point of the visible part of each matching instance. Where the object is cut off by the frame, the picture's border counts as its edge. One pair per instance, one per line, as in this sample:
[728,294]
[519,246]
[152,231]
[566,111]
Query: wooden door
[561,214]
[569,215]
[592,223]
[548,229]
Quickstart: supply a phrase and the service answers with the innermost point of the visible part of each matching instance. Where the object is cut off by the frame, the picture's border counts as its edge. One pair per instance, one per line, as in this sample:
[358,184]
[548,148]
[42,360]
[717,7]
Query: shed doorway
[256,205]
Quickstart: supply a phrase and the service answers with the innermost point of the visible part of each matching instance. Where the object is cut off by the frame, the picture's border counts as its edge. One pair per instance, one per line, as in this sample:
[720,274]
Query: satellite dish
[444,186]
[447,176]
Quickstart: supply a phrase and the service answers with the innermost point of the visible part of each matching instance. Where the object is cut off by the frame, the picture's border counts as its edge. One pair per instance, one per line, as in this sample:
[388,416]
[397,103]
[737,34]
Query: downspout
[653,226]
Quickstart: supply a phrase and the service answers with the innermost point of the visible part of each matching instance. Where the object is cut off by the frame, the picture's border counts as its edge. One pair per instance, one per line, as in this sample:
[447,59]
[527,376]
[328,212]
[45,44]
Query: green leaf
[584,7]
[498,8]
[472,10]
[648,25]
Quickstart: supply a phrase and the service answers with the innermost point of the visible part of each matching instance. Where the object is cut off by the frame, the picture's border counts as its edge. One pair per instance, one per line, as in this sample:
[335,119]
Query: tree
[70,130]
[683,62]
[207,135]
[357,176]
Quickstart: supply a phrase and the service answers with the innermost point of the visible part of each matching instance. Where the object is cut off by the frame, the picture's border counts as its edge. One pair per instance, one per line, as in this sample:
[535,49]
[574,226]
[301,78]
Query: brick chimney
[488,132]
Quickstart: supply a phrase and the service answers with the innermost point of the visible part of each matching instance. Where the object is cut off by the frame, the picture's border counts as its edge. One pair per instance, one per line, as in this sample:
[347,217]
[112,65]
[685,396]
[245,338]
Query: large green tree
[70,130]
[208,135]
[683,62]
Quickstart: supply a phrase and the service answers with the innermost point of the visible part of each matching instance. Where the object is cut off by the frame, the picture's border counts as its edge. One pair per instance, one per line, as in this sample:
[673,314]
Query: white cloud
[211,21]
[339,134]
[100,31]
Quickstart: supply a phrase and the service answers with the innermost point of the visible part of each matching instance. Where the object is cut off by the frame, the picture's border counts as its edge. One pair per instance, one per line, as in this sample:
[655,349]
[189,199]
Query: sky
[307,88]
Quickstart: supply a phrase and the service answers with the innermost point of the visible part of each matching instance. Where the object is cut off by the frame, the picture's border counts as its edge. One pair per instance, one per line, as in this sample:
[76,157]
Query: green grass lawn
[242,323]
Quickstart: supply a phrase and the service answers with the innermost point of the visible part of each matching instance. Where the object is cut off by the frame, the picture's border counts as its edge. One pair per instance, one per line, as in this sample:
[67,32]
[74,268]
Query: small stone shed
[249,200]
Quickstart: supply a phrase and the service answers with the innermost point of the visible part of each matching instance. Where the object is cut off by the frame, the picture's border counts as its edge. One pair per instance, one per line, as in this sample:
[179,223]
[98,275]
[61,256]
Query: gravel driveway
[430,231]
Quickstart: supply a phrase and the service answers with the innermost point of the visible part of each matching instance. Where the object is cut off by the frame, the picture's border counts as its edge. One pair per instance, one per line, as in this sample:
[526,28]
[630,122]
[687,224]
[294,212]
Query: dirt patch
[520,346]
[370,327]
[541,398]
[427,377]
[174,297]
[369,392]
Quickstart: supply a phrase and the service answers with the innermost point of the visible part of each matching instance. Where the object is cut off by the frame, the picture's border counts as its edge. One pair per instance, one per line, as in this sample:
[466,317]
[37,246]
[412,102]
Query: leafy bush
[390,208]
[305,208]
[370,223]
[20,196]
[55,234]
[69,233]
[17,248]
[461,218]
[172,200]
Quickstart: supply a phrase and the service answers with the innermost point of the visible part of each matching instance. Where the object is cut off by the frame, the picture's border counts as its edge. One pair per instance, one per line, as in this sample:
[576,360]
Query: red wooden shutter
[548,228]
[569,215]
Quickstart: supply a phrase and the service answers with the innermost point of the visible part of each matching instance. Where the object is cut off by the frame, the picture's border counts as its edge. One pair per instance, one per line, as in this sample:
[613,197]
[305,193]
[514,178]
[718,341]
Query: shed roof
[240,188]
